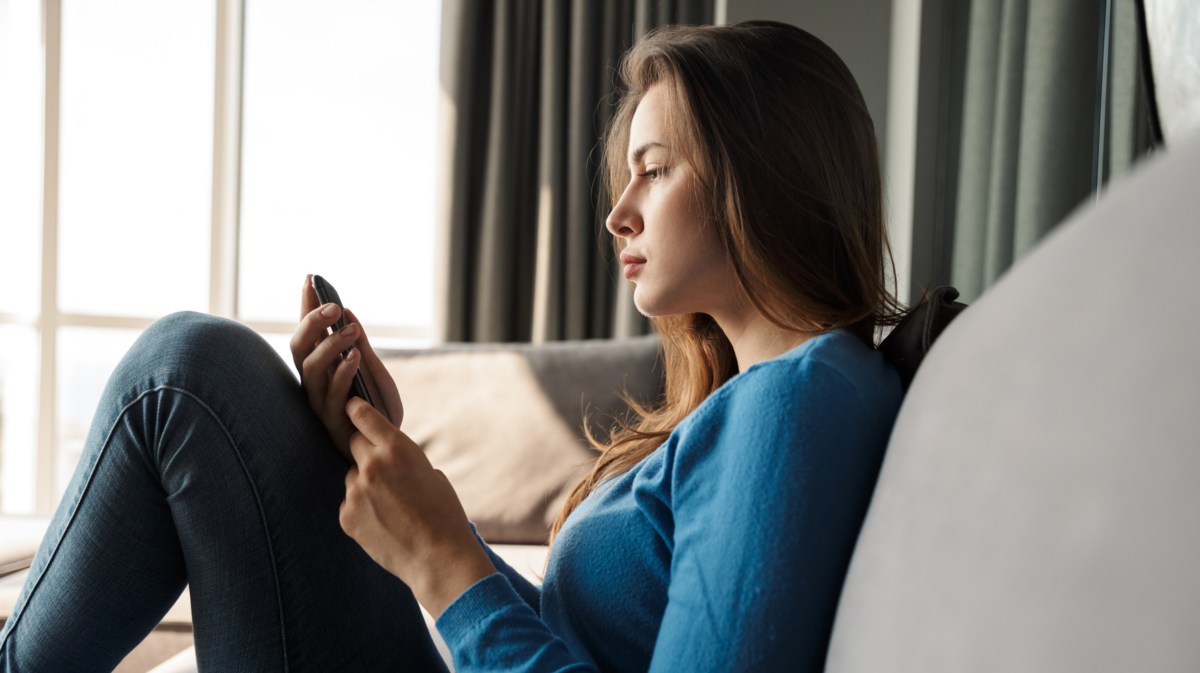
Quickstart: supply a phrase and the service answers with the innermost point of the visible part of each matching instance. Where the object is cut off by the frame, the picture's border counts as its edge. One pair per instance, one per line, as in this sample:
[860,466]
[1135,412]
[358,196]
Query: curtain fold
[526,93]
[1028,151]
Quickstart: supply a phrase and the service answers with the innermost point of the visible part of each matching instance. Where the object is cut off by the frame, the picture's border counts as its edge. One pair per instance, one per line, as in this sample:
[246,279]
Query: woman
[712,534]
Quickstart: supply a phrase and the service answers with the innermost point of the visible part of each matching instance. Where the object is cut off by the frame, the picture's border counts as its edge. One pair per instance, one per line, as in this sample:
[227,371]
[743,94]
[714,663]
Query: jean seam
[19,610]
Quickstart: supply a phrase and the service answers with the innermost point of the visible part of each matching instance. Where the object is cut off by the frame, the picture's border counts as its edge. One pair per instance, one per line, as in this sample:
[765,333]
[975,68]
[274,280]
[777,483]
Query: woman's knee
[190,329]
[190,349]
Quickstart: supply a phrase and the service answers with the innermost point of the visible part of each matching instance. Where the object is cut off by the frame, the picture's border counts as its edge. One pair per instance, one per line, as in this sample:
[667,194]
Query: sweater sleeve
[768,495]
[490,628]
[494,626]
[527,590]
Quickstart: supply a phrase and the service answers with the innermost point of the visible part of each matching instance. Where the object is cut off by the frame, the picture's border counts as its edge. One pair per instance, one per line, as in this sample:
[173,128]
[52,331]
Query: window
[199,155]
[353,203]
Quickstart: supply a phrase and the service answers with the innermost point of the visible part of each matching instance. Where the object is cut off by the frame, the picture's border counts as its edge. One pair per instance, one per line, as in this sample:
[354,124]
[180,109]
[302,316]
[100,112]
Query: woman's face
[673,258]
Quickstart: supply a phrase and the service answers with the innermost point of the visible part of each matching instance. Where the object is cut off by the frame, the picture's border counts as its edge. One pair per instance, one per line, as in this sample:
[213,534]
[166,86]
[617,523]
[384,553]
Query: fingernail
[329,311]
[350,330]
[351,354]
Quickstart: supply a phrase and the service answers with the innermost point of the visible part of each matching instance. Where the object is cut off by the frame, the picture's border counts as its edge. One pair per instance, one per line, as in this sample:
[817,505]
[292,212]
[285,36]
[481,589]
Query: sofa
[1038,507]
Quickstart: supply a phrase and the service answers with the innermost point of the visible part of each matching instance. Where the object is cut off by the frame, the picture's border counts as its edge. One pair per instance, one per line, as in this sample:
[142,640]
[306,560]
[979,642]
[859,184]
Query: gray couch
[1039,505]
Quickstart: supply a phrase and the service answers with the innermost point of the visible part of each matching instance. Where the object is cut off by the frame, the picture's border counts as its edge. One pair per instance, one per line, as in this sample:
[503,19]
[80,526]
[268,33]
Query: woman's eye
[654,174]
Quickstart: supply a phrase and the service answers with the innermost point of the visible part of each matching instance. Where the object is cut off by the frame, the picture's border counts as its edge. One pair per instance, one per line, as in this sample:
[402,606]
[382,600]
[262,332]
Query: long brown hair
[784,151]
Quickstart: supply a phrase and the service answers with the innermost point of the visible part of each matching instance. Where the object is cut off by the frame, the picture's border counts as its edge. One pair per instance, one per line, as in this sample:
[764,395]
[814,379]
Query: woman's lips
[633,264]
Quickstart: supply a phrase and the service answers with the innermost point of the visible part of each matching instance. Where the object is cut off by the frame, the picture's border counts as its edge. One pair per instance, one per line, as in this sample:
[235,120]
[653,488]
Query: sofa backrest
[1039,505]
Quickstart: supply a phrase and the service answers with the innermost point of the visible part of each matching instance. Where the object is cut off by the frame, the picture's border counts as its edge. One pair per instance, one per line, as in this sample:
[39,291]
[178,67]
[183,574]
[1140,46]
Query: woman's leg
[205,466]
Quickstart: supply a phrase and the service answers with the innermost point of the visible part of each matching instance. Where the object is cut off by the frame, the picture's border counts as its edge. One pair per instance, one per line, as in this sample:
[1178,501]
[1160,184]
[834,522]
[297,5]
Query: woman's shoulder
[828,363]
[829,384]
[831,395]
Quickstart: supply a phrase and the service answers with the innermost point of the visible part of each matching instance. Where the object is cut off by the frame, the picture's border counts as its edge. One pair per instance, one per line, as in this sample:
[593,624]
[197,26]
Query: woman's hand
[406,515]
[326,377]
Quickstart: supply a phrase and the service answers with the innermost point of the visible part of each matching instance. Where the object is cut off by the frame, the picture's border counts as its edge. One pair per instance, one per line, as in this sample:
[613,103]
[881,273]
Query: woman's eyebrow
[636,155]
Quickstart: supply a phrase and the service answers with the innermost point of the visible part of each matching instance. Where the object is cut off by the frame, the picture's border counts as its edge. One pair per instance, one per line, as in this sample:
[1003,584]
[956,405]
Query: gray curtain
[1044,121]
[526,90]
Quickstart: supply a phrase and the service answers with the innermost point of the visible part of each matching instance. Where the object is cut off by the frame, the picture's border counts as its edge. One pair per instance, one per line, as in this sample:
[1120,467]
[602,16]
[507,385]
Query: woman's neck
[756,339]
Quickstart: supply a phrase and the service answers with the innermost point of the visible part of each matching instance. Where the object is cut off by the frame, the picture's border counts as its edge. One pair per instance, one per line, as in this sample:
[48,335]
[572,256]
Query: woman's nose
[624,220]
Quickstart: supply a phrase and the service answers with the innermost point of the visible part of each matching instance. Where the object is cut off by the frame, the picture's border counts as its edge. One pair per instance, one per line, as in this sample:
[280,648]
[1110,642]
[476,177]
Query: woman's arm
[407,518]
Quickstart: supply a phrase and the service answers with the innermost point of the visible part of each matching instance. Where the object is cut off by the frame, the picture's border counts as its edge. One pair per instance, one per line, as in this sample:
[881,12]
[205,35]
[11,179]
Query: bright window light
[136,156]
[20,154]
[338,162]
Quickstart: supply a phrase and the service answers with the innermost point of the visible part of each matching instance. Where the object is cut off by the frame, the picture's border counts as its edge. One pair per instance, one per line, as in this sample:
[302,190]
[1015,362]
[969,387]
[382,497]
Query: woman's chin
[650,309]
[644,305]
[661,304]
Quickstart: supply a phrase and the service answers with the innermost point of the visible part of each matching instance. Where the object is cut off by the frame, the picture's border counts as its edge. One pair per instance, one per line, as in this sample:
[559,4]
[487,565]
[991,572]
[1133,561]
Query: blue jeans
[204,466]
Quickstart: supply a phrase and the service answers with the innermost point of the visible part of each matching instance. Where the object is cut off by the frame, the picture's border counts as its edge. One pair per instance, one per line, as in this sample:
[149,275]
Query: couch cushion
[1037,507]
[504,422]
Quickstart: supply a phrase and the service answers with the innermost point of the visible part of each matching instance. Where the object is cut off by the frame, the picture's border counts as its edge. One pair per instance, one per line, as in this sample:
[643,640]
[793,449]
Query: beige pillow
[505,422]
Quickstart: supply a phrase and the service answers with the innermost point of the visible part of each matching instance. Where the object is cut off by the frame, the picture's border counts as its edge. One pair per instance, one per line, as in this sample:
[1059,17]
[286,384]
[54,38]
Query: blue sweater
[724,550]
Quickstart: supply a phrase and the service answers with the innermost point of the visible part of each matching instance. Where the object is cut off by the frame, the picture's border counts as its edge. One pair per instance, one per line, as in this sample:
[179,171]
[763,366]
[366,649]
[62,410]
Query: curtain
[526,93]
[1043,117]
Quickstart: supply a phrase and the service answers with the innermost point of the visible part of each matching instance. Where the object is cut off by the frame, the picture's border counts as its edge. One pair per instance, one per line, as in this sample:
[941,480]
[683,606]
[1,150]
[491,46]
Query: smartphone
[327,295]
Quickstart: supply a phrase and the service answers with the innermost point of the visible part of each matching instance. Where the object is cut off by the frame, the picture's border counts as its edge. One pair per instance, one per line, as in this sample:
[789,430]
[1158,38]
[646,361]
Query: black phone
[327,295]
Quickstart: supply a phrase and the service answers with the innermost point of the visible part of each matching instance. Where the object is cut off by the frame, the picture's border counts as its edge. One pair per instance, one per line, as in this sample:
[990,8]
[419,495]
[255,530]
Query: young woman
[713,533]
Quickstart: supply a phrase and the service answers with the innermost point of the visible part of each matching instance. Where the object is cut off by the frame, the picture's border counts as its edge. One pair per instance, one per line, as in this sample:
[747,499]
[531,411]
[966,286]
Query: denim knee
[197,352]
[191,329]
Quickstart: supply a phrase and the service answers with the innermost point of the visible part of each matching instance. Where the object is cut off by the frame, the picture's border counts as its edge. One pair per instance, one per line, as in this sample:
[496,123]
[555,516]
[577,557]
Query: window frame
[224,231]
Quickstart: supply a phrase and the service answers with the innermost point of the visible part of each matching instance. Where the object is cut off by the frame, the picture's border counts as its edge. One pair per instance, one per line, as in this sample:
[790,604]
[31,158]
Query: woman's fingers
[374,427]
[308,297]
[377,437]
[340,383]
[326,354]
[379,380]
[384,393]
[302,341]
[325,375]
[330,406]
[311,331]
